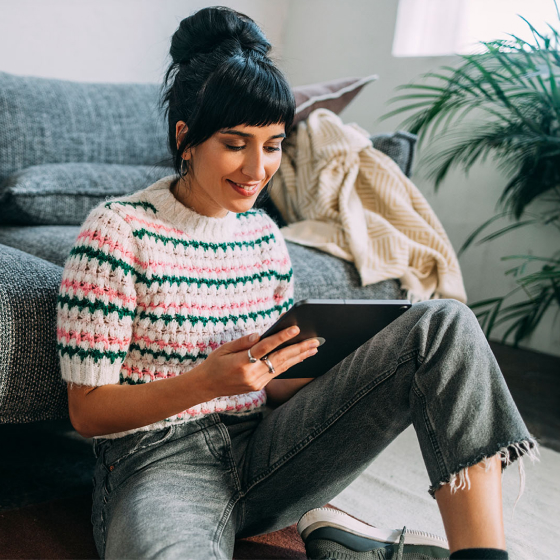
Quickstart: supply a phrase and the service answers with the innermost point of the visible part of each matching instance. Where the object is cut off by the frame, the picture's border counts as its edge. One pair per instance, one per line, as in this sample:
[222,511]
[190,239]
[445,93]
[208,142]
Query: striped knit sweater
[150,288]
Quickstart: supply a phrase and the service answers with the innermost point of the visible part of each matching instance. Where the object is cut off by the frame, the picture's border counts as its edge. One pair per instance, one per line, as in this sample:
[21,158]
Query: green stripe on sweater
[84,303]
[140,233]
[144,205]
[194,319]
[97,355]
[169,356]
[102,257]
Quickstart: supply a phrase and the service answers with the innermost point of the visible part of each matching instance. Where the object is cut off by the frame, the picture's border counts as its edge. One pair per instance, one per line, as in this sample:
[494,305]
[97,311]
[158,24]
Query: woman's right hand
[229,371]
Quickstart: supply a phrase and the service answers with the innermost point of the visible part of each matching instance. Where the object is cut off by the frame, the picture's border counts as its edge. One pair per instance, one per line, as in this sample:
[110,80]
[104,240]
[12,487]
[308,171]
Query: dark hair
[221,77]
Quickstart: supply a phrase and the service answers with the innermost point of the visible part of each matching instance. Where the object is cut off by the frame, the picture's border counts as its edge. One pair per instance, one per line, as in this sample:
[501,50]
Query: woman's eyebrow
[247,135]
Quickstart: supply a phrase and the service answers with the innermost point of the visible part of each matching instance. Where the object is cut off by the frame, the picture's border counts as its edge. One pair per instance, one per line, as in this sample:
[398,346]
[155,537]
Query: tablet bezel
[349,322]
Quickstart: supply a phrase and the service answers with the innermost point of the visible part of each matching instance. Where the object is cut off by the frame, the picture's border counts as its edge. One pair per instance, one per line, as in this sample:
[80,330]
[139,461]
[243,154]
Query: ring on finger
[267,362]
[251,359]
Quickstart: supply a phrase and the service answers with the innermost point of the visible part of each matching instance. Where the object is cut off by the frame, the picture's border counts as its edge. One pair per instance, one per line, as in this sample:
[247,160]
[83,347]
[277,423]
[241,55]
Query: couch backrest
[44,120]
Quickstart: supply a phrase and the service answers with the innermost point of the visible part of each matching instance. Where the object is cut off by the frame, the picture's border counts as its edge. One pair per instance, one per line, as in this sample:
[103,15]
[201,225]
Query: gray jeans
[187,491]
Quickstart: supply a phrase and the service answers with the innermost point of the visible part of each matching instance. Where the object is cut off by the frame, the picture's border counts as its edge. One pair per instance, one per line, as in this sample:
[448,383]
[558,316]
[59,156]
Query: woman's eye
[269,149]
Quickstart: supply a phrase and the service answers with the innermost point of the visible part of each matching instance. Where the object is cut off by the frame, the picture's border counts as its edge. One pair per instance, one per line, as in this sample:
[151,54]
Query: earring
[185,170]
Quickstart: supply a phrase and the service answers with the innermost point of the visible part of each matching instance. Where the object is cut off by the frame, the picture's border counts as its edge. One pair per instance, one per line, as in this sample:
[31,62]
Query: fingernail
[293,330]
[253,337]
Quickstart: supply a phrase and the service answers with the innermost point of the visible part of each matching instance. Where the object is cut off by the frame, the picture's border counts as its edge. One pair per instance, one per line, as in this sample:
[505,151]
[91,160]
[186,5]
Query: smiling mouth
[248,189]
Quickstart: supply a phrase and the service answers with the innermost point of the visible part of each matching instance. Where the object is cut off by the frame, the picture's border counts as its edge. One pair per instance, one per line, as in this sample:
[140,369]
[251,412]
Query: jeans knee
[451,323]
[449,309]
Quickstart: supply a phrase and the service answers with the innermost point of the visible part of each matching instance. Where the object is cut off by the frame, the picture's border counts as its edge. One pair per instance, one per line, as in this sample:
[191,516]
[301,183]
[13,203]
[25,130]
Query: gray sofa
[64,148]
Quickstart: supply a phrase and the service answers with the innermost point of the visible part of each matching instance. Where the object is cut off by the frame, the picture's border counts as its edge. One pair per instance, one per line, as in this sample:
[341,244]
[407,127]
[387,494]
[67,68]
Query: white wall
[128,41]
[326,39]
[106,40]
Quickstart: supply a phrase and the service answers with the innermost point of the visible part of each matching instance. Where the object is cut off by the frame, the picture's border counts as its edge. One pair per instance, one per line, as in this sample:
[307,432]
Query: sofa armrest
[31,387]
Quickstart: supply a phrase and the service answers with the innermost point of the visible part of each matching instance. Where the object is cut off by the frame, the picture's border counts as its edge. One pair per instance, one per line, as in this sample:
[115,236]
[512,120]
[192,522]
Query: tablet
[341,325]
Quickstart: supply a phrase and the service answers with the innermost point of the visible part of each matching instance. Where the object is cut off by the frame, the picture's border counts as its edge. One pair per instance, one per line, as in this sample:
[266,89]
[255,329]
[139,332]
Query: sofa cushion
[65,193]
[320,275]
[50,243]
[45,120]
[399,146]
[31,387]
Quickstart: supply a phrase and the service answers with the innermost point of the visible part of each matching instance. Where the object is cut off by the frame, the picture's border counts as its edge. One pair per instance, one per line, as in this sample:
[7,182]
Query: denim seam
[232,463]
[330,421]
[428,424]
[210,443]
[136,449]
[221,525]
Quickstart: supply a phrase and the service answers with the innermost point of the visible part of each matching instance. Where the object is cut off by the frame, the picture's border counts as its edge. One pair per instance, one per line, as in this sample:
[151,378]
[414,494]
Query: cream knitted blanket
[341,195]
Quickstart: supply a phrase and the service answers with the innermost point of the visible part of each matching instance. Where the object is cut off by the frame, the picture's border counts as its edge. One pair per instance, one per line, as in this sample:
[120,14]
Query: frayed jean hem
[459,478]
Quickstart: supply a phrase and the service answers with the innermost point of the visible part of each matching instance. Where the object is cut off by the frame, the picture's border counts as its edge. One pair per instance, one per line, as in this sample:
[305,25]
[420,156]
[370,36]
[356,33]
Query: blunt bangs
[242,92]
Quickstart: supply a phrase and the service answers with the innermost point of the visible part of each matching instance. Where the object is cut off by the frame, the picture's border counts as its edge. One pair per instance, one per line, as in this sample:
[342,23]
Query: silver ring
[267,362]
[251,359]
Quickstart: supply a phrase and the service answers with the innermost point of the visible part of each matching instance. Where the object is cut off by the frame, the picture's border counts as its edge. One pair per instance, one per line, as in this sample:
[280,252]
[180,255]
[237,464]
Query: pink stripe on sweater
[103,241]
[87,288]
[128,218]
[253,232]
[92,339]
[200,346]
[181,307]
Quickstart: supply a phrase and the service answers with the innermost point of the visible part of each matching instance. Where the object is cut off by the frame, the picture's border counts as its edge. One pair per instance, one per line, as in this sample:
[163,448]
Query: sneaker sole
[326,517]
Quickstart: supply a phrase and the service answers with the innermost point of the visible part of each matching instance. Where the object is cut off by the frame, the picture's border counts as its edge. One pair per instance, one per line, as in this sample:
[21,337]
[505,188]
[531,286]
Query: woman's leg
[432,367]
[472,517]
[165,494]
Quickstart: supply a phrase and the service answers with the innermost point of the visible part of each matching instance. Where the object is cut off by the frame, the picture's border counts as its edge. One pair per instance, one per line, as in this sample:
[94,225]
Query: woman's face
[227,171]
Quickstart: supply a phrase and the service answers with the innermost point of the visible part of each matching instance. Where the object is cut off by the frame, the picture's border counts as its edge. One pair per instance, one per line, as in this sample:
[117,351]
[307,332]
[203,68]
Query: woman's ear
[180,131]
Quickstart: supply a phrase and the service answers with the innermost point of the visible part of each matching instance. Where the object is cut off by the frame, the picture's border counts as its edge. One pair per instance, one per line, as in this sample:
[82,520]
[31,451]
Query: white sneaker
[329,533]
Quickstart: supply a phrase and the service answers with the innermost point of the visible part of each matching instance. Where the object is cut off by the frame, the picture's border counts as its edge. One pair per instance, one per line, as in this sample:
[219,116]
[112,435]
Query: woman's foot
[329,533]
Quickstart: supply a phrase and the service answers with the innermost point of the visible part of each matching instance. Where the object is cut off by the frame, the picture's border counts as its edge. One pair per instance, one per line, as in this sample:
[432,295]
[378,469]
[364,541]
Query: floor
[48,460]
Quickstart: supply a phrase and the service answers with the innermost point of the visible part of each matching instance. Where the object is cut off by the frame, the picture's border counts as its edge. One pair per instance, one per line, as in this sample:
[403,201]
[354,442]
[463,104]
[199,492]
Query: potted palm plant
[512,92]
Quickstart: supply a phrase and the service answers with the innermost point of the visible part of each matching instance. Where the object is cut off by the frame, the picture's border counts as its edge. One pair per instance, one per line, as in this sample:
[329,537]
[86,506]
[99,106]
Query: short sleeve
[96,304]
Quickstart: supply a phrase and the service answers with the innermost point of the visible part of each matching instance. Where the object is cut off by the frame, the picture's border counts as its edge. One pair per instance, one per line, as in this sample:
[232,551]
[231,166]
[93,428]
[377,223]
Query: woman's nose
[253,166]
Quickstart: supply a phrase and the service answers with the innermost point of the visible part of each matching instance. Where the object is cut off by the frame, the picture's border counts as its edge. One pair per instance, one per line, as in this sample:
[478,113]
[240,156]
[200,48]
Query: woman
[175,283]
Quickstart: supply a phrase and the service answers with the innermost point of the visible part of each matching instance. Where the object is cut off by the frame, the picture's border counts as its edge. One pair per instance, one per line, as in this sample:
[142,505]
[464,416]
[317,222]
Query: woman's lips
[243,191]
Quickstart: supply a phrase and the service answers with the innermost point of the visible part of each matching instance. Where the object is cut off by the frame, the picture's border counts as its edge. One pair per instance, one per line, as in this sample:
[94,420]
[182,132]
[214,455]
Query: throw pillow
[333,95]
[65,193]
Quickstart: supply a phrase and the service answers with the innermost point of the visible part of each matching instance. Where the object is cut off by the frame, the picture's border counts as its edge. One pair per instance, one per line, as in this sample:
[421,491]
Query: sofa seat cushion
[65,193]
[322,276]
[50,243]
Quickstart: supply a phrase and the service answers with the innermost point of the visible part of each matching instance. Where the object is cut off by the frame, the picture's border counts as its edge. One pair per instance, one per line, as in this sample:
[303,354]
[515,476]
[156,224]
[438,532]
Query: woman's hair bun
[213,28]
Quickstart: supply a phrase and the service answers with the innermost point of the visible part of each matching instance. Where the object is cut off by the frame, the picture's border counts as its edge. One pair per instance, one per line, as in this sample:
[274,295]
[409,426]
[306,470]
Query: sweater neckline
[186,218]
